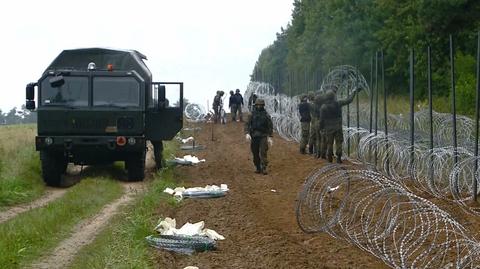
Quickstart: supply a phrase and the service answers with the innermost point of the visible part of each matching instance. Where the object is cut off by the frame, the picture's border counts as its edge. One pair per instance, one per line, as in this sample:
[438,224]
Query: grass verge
[122,244]
[27,236]
[20,179]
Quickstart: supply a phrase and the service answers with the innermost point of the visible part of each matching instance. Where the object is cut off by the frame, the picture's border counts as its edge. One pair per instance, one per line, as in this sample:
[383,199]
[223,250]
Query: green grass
[122,244]
[26,237]
[20,174]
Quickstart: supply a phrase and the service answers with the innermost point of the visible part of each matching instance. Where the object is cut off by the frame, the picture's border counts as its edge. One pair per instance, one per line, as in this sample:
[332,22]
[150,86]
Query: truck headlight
[48,141]
[132,141]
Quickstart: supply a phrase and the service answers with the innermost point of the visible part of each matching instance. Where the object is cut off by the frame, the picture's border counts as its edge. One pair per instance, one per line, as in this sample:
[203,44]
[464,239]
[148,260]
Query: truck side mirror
[30,96]
[56,81]
[161,96]
[30,91]
[30,105]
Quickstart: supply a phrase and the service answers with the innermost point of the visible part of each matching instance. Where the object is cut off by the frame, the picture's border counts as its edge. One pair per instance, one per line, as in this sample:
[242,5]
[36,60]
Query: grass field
[20,179]
[122,244]
[37,231]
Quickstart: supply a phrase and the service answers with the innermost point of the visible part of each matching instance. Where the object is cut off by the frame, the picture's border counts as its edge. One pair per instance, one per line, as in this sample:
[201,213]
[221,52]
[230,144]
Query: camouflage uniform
[321,141]
[259,125]
[331,123]
[312,141]
[305,118]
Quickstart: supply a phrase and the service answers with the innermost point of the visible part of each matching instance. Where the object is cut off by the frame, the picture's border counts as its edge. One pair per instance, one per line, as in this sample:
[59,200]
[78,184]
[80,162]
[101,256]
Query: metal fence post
[454,108]
[477,106]
[430,110]
[412,116]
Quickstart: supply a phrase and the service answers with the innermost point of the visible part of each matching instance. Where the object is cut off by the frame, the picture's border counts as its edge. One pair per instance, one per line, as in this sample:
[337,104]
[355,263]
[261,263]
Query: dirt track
[86,231]
[259,225]
[50,195]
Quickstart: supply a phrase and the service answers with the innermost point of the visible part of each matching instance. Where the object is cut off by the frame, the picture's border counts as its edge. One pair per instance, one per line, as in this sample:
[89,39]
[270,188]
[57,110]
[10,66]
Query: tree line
[326,33]
[17,116]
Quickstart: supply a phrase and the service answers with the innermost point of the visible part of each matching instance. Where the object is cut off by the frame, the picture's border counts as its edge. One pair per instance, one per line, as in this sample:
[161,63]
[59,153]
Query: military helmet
[237,91]
[259,102]
[231,92]
[330,95]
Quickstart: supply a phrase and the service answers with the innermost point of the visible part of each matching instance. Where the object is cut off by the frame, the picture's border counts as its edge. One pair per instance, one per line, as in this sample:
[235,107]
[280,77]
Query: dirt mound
[257,216]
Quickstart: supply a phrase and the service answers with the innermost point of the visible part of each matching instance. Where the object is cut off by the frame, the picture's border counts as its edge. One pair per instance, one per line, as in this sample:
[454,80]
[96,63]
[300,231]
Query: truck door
[164,117]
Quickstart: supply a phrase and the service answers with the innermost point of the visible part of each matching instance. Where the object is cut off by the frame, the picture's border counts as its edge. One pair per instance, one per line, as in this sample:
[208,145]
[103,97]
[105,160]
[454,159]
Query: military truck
[98,106]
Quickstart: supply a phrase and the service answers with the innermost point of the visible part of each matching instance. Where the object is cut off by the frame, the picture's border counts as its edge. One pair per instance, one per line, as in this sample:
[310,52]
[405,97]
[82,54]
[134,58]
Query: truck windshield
[116,92]
[73,93]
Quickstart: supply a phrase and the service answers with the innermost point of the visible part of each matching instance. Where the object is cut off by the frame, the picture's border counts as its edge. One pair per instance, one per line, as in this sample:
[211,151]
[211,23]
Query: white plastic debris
[330,189]
[169,191]
[191,267]
[189,159]
[188,139]
[167,227]
[272,190]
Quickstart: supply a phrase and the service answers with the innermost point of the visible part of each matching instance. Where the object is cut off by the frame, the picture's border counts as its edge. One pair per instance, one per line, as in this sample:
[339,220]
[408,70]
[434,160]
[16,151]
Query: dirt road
[257,217]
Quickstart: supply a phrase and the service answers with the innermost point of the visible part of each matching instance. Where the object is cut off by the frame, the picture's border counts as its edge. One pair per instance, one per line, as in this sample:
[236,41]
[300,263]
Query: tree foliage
[327,33]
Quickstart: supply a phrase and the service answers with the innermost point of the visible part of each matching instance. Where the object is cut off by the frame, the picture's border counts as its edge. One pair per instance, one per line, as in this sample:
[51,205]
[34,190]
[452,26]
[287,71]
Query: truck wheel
[158,154]
[136,167]
[52,168]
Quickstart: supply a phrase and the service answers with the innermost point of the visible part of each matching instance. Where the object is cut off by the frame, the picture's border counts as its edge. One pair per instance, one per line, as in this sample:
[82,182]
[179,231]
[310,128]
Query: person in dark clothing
[238,105]
[259,131]
[331,123]
[217,105]
[305,118]
[232,105]
[251,102]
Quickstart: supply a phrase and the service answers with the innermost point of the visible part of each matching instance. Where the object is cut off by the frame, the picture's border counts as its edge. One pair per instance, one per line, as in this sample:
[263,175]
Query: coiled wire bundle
[380,216]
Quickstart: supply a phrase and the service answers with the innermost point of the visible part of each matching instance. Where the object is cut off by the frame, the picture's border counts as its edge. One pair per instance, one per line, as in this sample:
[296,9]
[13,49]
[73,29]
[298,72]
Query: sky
[209,45]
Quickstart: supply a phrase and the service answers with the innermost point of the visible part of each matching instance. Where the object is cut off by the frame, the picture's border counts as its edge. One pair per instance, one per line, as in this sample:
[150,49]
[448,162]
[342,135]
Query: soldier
[251,102]
[312,141]
[217,105]
[320,145]
[331,123]
[259,131]
[232,105]
[305,118]
[239,103]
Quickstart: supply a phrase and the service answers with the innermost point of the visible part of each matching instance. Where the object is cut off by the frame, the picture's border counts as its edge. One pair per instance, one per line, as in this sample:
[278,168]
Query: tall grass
[122,244]
[20,172]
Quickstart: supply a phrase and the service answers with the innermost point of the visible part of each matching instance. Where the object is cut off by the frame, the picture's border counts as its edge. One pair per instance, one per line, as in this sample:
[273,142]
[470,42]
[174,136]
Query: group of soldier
[321,123]
[235,103]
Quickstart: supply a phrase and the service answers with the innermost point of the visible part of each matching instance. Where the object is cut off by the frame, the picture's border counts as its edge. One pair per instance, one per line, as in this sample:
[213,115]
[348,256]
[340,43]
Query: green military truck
[98,106]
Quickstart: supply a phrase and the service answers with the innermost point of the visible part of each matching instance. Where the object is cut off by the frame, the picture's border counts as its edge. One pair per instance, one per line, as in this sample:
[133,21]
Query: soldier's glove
[270,141]
[248,137]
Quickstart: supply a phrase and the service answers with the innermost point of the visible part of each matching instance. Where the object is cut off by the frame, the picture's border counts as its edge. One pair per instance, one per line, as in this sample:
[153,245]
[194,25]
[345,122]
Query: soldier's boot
[330,158]
[339,158]
[302,150]
[258,169]
[264,170]
[310,149]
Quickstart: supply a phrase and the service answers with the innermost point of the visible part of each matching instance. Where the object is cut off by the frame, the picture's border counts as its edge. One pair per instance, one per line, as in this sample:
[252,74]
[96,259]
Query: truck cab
[98,106]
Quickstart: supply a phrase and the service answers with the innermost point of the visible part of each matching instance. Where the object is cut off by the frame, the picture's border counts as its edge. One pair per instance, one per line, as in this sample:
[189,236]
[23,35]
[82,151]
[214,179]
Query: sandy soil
[257,217]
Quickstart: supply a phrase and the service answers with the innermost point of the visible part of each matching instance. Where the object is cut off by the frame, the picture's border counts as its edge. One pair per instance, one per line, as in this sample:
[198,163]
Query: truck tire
[53,166]
[158,154]
[136,167]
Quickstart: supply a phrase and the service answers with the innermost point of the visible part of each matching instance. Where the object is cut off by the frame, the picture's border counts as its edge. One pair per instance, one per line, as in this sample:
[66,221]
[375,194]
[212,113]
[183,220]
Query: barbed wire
[380,216]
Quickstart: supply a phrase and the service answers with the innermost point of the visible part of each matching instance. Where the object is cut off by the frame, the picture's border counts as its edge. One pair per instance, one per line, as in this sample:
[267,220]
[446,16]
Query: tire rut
[85,232]
[51,194]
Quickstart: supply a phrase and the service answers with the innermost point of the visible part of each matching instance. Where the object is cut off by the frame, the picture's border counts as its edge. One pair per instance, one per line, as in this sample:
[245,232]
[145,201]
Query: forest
[323,34]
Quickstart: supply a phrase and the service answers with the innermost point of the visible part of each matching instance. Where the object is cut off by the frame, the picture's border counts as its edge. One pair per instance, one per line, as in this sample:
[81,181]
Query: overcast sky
[210,45]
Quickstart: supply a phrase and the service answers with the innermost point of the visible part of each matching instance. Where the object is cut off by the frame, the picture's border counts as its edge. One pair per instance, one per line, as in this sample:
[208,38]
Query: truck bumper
[92,149]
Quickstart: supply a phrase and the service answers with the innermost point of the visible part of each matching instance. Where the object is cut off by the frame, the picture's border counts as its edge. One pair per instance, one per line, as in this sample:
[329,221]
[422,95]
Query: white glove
[248,137]
[270,141]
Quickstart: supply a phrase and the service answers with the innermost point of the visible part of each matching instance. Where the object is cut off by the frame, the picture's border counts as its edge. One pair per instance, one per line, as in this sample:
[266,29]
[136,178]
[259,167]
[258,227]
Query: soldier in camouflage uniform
[321,142]
[331,123]
[312,141]
[305,118]
[259,131]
